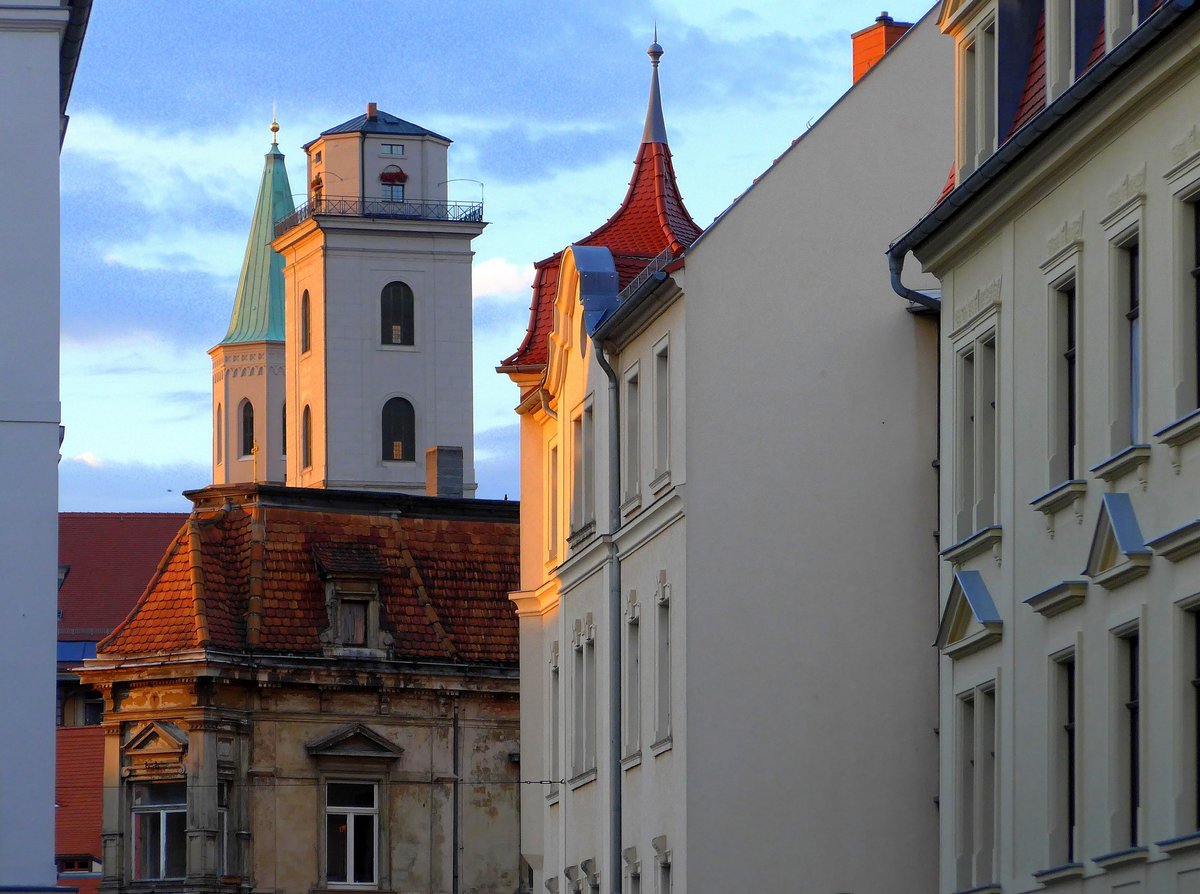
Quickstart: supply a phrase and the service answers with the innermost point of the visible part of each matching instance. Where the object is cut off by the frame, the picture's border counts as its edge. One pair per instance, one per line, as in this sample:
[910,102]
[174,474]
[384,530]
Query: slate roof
[383,123]
[111,555]
[650,219]
[79,782]
[245,575]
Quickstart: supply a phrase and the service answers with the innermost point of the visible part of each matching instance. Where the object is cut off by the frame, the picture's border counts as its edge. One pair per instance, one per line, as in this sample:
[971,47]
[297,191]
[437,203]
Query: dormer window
[977,89]
[352,573]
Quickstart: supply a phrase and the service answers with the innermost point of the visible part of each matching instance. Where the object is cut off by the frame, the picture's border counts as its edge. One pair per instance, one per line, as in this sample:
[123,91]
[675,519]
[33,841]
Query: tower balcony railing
[346,206]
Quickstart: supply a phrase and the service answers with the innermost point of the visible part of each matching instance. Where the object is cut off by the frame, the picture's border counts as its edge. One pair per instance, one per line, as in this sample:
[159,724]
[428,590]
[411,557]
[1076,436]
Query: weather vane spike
[274,122]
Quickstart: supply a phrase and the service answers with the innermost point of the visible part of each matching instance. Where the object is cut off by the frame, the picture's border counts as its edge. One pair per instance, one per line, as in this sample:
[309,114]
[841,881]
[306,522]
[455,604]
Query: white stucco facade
[35,70]
[1070,484]
[776,565]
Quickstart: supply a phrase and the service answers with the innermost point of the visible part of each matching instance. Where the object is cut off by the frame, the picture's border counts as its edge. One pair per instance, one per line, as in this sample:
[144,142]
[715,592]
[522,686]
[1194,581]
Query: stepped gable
[651,219]
[246,574]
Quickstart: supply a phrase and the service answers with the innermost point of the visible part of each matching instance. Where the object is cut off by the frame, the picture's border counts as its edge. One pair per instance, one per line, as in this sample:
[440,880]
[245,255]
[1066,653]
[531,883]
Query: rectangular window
[985,80]
[353,618]
[664,878]
[589,466]
[662,625]
[160,831]
[1193,218]
[965,851]
[351,833]
[1064,462]
[579,705]
[633,676]
[662,410]
[1130,690]
[390,149]
[552,505]
[223,862]
[590,705]
[976,436]
[966,74]
[1129,396]
[632,460]
[1064,831]
[392,192]
[583,478]
[985,784]
[555,718]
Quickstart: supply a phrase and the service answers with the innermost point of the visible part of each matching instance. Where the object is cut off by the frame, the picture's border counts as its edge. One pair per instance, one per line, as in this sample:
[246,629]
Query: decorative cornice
[1064,241]
[975,307]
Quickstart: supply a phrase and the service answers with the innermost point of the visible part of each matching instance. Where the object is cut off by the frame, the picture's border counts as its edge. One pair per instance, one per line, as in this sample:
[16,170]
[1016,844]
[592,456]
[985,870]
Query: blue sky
[169,117]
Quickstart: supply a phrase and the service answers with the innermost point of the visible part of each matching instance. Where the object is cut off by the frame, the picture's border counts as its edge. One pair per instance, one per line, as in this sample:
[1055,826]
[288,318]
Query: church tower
[377,269]
[249,440]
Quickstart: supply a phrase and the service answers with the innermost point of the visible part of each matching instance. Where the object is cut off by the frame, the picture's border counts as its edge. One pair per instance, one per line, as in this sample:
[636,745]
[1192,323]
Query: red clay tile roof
[245,578]
[1033,96]
[78,790]
[1097,47]
[111,556]
[651,219]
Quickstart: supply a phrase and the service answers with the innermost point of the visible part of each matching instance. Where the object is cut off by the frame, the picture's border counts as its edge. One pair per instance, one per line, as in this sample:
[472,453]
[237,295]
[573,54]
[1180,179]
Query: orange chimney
[871,43]
[373,110]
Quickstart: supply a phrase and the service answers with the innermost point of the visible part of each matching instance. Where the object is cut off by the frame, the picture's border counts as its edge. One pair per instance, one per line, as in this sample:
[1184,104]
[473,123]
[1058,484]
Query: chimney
[372,111]
[444,472]
[871,43]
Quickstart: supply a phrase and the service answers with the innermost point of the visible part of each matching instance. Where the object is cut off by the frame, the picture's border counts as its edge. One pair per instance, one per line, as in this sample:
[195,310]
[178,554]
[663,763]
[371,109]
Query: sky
[545,103]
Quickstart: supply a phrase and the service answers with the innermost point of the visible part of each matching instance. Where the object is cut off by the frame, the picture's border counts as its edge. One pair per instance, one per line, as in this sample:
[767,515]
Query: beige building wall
[1124,171]
[251,372]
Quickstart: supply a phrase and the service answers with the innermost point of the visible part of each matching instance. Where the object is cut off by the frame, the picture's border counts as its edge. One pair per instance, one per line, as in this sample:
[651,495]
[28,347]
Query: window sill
[1059,598]
[1121,857]
[662,746]
[1179,843]
[633,502]
[1066,494]
[1185,428]
[1179,543]
[974,545]
[582,534]
[660,482]
[1121,464]
[579,780]
[403,349]
[1132,568]
[552,795]
[1059,873]
[629,761]
[989,888]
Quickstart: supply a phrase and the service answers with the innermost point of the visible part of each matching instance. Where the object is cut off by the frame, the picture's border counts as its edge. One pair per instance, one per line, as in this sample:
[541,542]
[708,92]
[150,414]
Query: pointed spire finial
[274,123]
[656,128]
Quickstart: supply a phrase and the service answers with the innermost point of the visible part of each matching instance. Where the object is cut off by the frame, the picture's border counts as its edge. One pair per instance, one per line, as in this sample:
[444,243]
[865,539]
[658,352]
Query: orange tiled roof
[651,219]
[110,555]
[78,790]
[245,577]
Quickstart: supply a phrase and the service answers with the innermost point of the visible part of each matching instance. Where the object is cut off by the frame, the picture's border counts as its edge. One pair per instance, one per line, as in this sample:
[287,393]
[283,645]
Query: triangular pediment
[955,11]
[1118,552]
[356,740]
[157,738]
[970,620]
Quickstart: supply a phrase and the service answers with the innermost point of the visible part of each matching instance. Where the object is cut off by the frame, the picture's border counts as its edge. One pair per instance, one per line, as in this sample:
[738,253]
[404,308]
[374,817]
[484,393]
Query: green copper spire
[258,306]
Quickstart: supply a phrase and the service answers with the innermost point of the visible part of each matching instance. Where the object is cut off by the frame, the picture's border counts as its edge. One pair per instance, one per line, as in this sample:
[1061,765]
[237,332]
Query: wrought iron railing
[342,206]
[659,262]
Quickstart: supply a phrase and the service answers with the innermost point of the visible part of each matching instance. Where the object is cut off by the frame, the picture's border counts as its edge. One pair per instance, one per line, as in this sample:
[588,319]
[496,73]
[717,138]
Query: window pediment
[157,749]
[355,740]
[1118,553]
[970,620]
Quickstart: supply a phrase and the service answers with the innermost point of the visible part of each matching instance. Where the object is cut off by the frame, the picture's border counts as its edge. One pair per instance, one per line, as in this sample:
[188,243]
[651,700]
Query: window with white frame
[1128,712]
[1064,458]
[977,92]
[633,675]
[246,438]
[632,460]
[662,409]
[976,435]
[1064,761]
[662,632]
[555,719]
[351,833]
[552,500]
[976,786]
[584,697]
[1130,302]
[583,479]
[1190,819]
[224,864]
[1190,290]
[159,830]
[392,149]
[965,802]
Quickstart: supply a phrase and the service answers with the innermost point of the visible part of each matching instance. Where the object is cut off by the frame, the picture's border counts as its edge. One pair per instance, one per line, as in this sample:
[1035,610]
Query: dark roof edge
[368,502]
[1045,121]
[625,311]
[72,44]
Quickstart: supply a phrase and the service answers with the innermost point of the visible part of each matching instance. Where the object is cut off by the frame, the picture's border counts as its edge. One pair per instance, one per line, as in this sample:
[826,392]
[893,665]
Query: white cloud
[500,281]
[88,459]
[183,249]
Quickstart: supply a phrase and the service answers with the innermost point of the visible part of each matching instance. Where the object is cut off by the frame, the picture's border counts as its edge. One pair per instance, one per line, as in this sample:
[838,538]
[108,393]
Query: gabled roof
[383,123]
[650,220]
[109,556]
[246,574]
[258,303]
[970,620]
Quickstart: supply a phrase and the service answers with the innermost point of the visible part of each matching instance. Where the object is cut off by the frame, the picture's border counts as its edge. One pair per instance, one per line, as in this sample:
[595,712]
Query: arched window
[391,184]
[219,456]
[306,439]
[399,431]
[283,427]
[305,330]
[247,439]
[396,314]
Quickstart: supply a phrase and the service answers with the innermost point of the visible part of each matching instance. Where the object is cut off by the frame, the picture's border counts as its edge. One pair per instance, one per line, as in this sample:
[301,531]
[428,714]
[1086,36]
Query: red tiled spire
[651,219]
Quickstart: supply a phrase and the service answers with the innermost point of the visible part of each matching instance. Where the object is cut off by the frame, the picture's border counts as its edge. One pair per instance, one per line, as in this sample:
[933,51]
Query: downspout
[456,809]
[896,266]
[614,622]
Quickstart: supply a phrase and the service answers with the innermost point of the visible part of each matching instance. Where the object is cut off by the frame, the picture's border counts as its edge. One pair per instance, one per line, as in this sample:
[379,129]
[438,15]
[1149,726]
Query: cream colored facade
[39,48]
[775,565]
[1070,466]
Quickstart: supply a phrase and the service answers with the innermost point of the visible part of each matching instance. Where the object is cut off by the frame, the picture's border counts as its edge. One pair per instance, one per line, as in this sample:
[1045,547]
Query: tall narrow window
[589,465]
[396,314]
[1130,646]
[552,491]
[985,784]
[247,434]
[351,832]
[399,431]
[1067,762]
[1133,314]
[283,428]
[965,479]
[662,410]
[1193,619]
[632,459]
[555,717]
[579,704]
[577,476]
[305,325]
[965,851]
[985,82]
[220,436]
[1064,465]
[306,439]
[968,145]
[662,632]
[160,831]
[1194,207]
[590,704]
[633,675]
[976,434]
